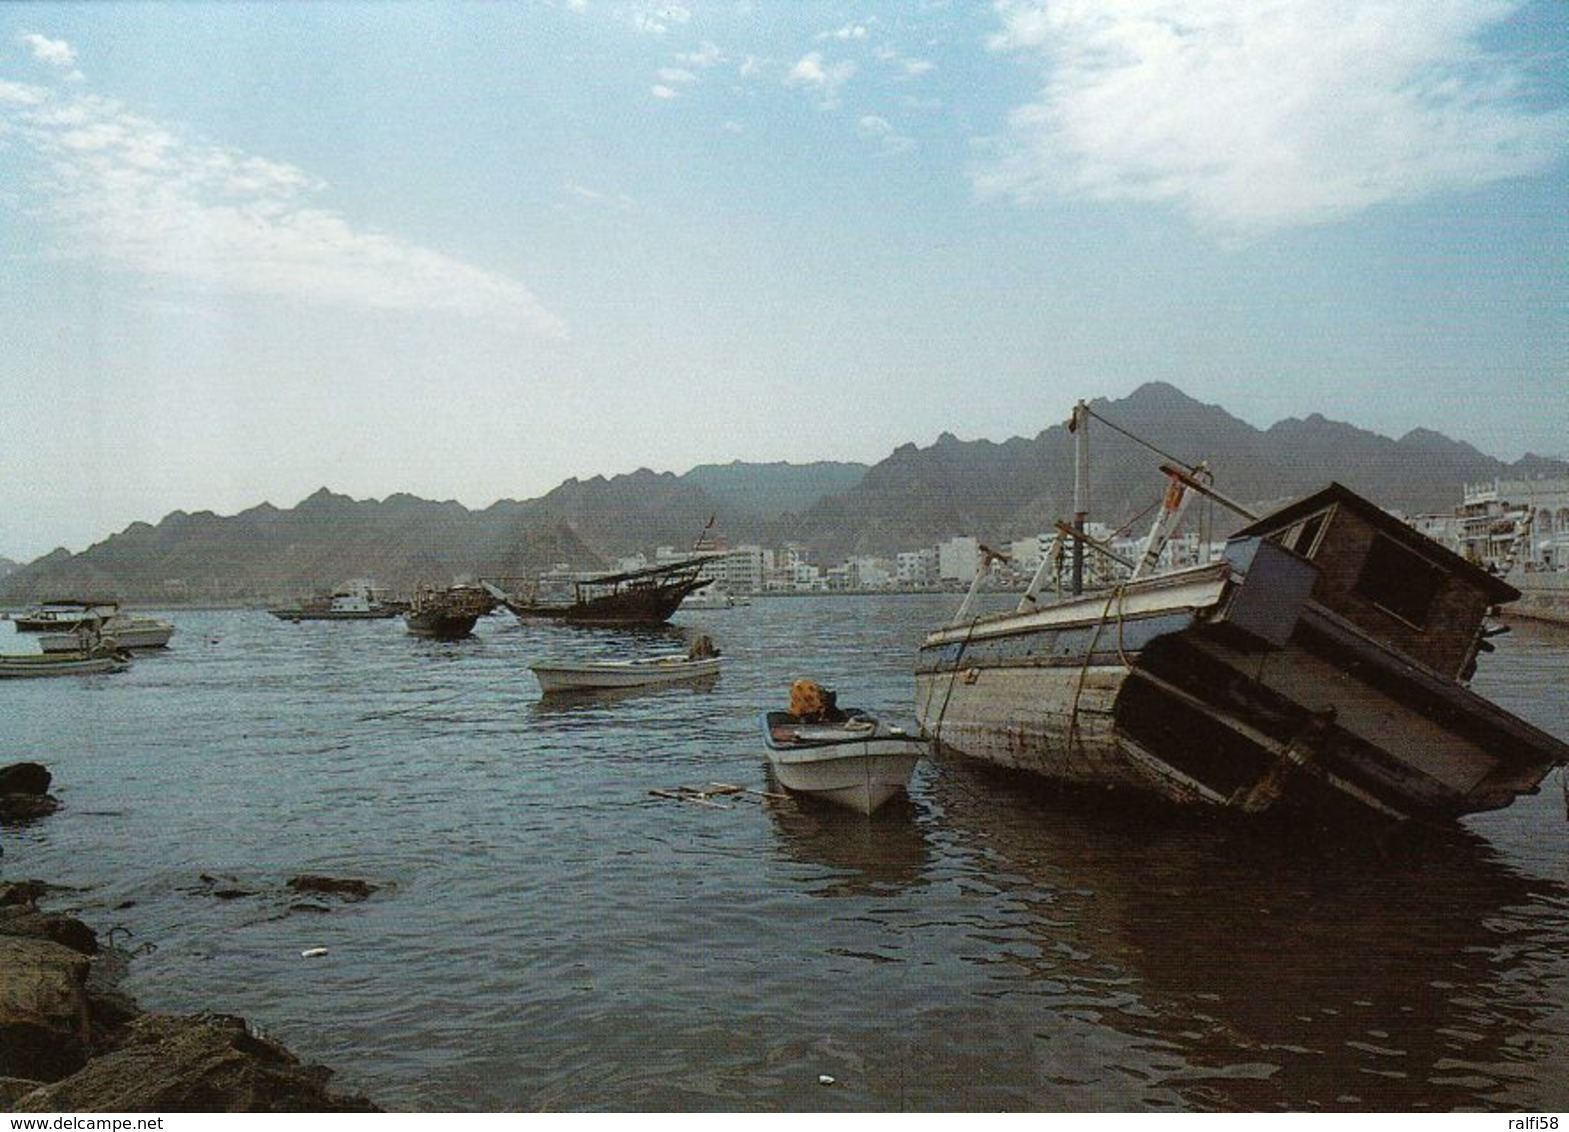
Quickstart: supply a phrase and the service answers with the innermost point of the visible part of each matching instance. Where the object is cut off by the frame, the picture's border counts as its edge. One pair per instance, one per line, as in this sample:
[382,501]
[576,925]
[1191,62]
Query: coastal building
[959,559]
[916,569]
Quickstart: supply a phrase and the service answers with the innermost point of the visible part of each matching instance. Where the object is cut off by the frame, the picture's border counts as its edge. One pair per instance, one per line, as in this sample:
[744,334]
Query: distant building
[959,559]
[916,569]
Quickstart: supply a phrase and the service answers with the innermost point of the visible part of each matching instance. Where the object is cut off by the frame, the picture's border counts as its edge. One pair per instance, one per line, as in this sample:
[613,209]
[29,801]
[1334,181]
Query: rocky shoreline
[72,1041]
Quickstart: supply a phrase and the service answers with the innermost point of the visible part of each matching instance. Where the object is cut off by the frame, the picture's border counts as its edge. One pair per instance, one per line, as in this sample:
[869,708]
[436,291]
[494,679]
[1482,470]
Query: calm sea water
[549,935]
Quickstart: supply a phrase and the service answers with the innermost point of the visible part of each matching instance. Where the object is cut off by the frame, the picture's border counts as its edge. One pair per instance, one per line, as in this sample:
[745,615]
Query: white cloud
[707,55]
[658,90]
[1253,117]
[126,193]
[826,79]
[656,19]
[881,131]
[56,53]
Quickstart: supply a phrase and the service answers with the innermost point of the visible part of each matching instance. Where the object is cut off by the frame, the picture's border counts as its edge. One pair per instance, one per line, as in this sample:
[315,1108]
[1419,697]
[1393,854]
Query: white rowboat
[592,675]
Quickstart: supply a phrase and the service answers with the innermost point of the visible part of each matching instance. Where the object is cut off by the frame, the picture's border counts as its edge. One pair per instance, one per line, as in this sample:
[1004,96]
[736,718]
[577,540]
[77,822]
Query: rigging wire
[1141,441]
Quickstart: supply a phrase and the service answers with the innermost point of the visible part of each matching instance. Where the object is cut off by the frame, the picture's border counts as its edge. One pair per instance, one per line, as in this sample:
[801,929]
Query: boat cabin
[1389,580]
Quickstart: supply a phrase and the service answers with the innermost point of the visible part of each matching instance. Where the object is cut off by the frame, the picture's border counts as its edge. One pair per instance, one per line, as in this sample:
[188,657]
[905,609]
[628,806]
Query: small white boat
[850,758]
[62,624]
[594,675]
[123,629]
[83,662]
[711,596]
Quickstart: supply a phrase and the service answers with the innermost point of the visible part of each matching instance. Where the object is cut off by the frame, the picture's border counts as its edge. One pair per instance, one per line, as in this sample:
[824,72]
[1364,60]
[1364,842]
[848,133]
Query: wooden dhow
[1320,668]
[636,597]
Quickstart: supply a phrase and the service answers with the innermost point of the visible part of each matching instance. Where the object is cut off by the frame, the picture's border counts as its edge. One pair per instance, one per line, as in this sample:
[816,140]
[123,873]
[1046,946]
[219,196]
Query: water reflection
[1280,972]
[886,852]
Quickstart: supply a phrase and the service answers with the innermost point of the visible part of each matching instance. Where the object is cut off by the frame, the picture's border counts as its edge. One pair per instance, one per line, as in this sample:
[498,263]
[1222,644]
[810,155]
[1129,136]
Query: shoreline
[71,1040]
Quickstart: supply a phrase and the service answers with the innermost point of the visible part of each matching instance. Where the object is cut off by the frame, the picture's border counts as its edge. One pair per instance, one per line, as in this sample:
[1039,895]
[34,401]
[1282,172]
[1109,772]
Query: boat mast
[1079,426]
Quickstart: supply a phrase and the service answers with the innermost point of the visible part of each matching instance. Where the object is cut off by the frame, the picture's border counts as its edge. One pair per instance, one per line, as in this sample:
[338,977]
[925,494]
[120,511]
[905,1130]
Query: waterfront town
[1520,525]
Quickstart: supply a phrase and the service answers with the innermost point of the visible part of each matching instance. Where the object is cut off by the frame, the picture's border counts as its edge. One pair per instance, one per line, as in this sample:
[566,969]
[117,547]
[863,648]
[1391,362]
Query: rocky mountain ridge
[916,497]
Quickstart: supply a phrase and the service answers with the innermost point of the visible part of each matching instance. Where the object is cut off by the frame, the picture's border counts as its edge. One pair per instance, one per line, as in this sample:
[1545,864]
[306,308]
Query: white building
[959,559]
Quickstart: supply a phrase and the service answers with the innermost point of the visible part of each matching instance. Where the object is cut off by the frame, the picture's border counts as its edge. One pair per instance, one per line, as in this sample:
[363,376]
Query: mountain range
[916,497]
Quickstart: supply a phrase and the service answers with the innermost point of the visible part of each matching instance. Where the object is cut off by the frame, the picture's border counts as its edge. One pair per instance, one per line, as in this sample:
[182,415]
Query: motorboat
[845,756]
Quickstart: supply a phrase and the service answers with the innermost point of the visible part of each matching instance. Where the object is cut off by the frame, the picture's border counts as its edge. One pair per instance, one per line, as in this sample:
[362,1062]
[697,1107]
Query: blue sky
[469,250]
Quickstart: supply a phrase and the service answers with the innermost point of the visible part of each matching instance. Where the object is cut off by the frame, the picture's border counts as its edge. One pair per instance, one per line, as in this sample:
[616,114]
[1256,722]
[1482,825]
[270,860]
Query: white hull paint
[559,676]
[131,633]
[857,763]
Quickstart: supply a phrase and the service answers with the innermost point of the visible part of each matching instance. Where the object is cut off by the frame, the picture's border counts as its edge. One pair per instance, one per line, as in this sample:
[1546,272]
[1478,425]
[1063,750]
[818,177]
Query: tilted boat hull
[1162,689]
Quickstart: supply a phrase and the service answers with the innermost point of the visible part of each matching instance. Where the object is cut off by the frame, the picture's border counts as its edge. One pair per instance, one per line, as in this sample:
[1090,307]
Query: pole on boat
[1079,426]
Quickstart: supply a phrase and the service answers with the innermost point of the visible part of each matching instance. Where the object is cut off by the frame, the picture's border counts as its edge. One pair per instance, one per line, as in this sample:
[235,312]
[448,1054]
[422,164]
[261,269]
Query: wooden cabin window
[1399,581]
[1303,537]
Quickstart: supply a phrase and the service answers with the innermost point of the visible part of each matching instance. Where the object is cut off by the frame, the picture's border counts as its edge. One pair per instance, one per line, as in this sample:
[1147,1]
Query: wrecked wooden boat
[1319,668]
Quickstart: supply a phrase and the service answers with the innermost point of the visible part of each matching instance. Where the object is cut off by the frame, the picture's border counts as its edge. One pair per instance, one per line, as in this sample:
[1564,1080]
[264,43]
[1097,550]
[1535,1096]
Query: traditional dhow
[637,597]
[844,756]
[1319,668]
[448,614]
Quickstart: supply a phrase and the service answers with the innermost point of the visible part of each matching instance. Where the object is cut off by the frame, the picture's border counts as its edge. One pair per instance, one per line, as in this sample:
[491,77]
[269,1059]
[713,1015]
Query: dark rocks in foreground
[197,1063]
[71,1041]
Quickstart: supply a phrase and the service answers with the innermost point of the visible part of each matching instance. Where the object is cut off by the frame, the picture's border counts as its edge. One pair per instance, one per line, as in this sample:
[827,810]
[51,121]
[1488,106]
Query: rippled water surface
[550,935]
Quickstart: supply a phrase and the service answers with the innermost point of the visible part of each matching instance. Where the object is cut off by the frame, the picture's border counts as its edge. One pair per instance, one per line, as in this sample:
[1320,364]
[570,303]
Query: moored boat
[60,664]
[447,614]
[701,661]
[1319,668]
[64,616]
[361,605]
[636,597]
[844,756]
[62,625]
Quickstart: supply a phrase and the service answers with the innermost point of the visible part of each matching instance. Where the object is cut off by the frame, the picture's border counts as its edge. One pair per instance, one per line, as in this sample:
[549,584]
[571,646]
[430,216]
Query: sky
[469,250]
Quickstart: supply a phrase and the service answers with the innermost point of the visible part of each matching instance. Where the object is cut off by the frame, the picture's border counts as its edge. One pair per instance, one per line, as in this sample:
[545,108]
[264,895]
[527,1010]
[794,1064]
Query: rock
[13,1087]
[27,920]
[45,1021]
[25,778]
[22,892]
[353,889]
[24,792]
[26,807]
[199,1063]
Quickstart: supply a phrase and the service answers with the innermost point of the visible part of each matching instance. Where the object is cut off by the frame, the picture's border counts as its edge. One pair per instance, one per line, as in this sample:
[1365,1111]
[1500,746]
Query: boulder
[45,1019]
[27,920]
[24,792]
[197,1063]
[25,778]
